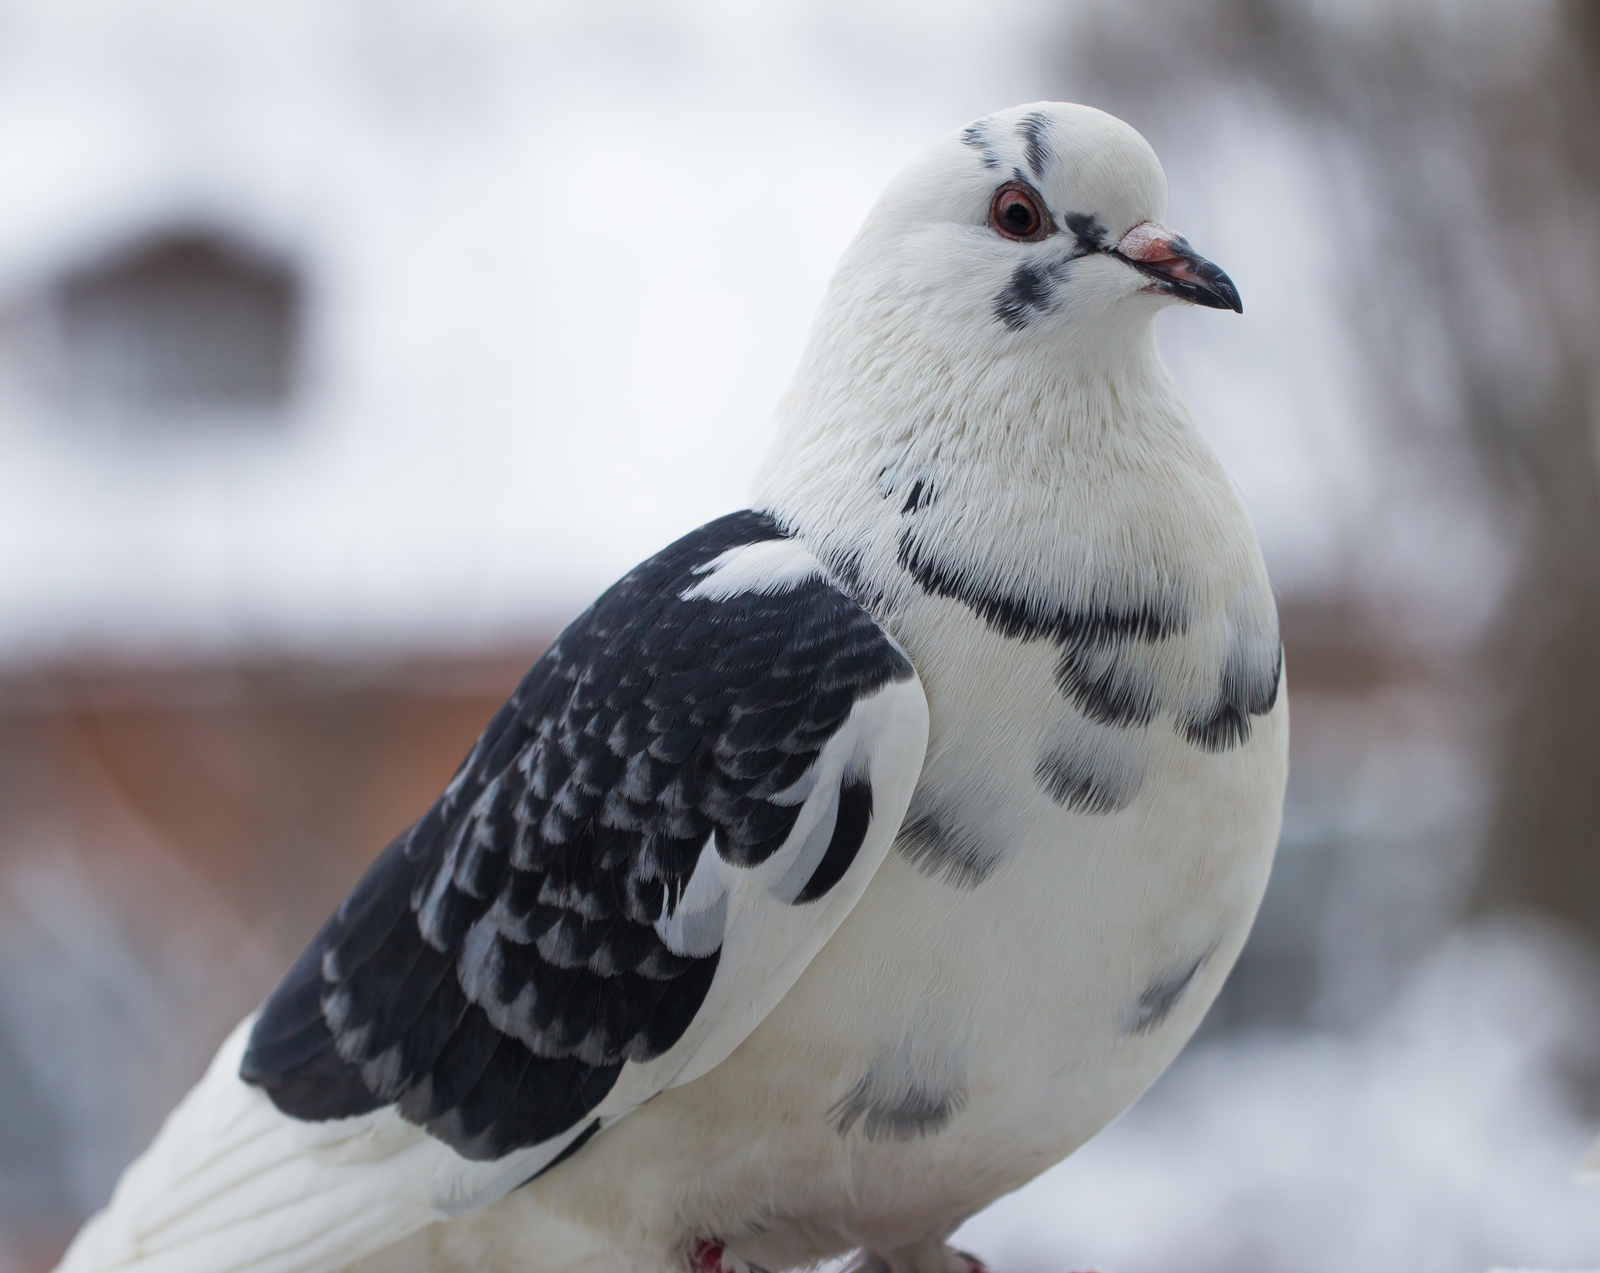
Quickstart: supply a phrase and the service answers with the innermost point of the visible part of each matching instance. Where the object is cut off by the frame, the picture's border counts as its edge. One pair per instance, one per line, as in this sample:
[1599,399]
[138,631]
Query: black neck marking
[1028,618]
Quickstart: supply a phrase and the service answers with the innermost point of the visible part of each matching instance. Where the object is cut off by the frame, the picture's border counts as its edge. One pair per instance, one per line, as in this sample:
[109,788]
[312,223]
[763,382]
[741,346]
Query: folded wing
[669,817]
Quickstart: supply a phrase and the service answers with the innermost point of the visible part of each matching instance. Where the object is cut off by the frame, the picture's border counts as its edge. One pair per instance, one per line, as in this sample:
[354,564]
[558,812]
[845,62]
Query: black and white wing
[673,812]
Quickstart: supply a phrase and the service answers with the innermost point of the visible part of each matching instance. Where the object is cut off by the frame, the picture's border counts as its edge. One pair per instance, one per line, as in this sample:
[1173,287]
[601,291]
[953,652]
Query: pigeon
[847,863]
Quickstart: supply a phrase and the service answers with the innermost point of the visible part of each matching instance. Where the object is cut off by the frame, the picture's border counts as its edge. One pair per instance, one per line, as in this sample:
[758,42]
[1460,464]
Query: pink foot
[706,1256]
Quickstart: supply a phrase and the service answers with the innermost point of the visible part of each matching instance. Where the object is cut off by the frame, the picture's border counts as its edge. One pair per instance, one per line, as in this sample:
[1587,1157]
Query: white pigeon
[849,862]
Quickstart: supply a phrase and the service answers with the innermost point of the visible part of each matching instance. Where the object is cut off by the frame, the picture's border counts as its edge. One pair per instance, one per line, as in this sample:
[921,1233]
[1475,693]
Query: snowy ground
[1436,1140]
[562,259]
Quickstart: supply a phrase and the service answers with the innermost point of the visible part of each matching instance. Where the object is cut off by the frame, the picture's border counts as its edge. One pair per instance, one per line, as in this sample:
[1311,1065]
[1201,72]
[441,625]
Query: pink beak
[1178,270]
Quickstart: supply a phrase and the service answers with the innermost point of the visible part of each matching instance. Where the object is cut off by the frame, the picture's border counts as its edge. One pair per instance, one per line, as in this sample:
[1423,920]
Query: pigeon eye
[1017,212]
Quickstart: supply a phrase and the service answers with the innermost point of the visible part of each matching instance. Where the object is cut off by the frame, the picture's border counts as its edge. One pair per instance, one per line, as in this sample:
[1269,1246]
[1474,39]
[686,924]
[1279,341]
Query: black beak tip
[1199,282]
[1217,291]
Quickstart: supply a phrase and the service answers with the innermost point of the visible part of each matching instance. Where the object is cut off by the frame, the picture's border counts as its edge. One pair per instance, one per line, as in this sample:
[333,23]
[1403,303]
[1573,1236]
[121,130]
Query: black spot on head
[1157,1002]
[1032,127]
[1086,228]
[1028,294]
[1086,783]
[977,136]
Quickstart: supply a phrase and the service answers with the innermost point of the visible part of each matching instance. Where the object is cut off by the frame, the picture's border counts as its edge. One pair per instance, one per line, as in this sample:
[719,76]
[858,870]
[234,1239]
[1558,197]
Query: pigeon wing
[672,813]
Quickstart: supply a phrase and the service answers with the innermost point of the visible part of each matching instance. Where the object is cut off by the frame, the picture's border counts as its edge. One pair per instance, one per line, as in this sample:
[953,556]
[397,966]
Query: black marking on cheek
[1032,128]
[849,830]
[1027,295]
[1073,780]
[1087,229]
[1161,997]
[939,848]
[909,1115]
[977,136]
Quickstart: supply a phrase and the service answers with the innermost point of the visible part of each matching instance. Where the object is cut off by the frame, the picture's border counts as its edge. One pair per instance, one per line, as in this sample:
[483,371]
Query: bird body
[971,910]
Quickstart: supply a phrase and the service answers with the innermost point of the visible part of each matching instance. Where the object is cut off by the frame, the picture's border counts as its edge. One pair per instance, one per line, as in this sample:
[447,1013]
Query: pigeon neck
[986,431]
[1067,482]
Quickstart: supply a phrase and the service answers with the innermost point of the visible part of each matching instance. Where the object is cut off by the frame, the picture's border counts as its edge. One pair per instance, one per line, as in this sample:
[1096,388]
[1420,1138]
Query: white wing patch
[764,567]
[233,1186]
[770,939]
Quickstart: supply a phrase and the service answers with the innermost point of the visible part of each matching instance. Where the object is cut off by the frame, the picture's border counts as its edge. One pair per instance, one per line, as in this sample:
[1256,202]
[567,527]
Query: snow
[562,260]
[1434,1140]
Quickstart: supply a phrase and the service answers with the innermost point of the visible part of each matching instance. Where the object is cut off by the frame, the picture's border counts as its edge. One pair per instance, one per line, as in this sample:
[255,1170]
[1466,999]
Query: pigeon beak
[1178,270]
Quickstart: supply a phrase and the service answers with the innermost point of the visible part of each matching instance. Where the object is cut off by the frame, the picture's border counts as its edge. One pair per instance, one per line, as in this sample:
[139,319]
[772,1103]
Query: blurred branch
[1462,149]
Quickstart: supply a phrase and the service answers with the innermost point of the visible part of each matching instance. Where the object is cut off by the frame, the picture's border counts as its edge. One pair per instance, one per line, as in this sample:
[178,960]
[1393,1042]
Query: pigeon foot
[708,1256]
[930,1256]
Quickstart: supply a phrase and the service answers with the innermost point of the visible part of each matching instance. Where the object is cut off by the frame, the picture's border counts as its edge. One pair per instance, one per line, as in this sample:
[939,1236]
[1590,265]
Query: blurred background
[348,348]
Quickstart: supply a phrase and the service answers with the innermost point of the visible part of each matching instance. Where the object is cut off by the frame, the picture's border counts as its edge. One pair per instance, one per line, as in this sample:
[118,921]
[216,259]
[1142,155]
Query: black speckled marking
[919,498]
[1086,783]
[1092,673]
[1088,231]
[939,847]
[1225,722]
[1157,1002]
[977,136]
[909,1115]
[1106,687]
[1218,729]
[1032,127]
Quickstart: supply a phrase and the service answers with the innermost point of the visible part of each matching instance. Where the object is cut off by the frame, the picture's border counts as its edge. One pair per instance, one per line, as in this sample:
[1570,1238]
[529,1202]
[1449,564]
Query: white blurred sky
[563,259]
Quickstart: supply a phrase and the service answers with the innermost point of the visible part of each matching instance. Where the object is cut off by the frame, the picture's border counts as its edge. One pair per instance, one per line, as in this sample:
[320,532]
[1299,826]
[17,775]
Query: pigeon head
[1038,222]
[993,315]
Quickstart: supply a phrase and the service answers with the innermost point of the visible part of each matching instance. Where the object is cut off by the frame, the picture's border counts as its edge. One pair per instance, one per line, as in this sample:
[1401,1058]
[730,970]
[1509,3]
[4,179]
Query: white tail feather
[231,1185]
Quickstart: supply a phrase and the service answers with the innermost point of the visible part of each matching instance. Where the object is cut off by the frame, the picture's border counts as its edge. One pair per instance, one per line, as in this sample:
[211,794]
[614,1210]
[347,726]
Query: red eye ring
[1018,213]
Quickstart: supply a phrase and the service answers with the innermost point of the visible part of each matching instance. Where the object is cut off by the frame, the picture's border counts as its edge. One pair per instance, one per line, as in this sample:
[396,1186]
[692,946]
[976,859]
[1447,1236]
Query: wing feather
[671,814]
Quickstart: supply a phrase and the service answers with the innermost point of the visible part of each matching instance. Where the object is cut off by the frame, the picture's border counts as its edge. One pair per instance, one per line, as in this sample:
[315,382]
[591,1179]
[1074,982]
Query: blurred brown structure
[1462,159]
[169,839]
[274,784]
